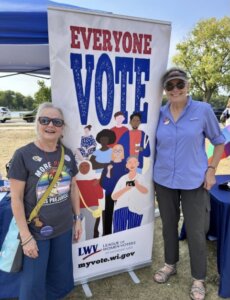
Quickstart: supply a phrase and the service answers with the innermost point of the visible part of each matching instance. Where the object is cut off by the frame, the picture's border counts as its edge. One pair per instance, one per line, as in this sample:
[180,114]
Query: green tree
[205,55]
[43,94]
[7,99]
[29,103]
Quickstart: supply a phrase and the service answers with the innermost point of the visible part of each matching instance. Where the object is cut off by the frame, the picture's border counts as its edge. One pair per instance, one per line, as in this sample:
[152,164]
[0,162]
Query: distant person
[183,177]
[225,116]
[47,240]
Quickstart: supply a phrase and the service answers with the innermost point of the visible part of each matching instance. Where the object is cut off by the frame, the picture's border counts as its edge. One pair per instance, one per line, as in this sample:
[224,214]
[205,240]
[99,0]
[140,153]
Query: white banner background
[140,91]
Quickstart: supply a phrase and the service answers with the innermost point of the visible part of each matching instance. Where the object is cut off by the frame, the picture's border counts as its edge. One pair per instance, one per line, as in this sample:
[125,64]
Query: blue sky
[182,14]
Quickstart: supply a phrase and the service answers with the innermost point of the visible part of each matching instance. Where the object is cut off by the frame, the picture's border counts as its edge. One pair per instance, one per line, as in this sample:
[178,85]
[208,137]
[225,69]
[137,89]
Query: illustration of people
[101,157]
[135,141]
[87,146]
[91,192]
[131,196]
[110,176]
[118,129]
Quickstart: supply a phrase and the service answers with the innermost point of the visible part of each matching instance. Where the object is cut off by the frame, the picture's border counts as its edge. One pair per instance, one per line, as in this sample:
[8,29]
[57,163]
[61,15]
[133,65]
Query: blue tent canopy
[23,28]
[24,44]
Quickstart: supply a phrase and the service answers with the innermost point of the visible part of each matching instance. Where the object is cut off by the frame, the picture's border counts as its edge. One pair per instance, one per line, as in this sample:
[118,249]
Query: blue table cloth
[9,282]
[220,228]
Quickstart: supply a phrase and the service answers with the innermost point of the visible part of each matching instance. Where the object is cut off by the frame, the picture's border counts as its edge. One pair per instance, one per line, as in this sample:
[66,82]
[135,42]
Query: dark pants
[108,215]
[50,276]
[196,210]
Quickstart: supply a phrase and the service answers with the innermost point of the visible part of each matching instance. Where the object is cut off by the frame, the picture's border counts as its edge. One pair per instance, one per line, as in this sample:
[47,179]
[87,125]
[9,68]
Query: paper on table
[2,195]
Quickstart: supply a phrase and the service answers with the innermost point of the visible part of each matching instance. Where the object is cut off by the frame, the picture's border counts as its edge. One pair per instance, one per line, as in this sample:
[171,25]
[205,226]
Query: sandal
[197,291]
[163,274]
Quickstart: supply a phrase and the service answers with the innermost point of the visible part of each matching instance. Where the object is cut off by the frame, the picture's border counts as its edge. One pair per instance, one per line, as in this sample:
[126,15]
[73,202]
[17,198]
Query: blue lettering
[124,66]
[141,66]
[124,72]
[104,66]
[82,97]
[87,250]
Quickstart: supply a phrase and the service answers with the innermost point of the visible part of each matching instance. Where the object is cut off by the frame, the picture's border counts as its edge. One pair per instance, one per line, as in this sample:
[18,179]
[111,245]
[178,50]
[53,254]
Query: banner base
[89,294]
[134,277]
[87,290]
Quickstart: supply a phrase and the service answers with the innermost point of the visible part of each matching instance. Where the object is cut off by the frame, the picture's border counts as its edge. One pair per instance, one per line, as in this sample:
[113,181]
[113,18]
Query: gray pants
[196,210]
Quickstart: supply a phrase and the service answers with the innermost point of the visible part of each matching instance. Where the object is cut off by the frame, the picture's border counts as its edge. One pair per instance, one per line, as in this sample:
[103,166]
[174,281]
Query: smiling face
[178,92]
[49,133]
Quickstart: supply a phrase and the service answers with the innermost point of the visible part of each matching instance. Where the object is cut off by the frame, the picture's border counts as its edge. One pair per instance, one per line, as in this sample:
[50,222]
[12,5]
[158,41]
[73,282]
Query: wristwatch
[78,217]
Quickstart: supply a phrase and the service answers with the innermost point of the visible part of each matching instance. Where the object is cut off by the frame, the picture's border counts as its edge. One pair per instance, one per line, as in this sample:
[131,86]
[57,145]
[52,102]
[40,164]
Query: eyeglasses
[117,151]
[46,120]
[179,85]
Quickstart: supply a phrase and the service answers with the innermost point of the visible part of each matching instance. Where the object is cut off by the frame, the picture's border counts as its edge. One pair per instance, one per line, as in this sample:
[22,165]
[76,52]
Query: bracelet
[78,217]
[27,240]
[211,167]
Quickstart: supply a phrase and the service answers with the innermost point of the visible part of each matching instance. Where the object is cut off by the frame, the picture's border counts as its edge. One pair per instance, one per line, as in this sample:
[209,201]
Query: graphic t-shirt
[37,168]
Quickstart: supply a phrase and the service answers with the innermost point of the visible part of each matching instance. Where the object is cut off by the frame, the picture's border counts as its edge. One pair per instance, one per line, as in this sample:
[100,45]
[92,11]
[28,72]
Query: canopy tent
[24,44]
[24,36]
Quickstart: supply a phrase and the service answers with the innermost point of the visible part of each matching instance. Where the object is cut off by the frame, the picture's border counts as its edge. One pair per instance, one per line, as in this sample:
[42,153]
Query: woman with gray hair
[182,175]
[47,239]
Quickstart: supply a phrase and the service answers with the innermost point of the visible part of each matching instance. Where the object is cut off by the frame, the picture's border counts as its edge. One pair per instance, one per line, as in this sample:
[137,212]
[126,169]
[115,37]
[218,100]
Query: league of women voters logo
[59,193]
[88,251]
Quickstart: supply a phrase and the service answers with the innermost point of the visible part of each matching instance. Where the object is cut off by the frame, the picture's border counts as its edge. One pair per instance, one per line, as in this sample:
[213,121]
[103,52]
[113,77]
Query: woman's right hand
[31,249]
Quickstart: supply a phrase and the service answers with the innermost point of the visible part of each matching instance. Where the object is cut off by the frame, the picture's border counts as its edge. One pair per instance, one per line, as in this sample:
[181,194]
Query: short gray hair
[43,106]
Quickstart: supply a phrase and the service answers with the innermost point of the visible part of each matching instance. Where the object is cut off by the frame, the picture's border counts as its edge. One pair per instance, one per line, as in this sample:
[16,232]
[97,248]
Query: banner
[106,72]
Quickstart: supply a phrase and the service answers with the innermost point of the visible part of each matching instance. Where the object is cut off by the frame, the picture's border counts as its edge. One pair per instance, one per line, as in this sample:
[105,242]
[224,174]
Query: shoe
[197,291]
[163,274]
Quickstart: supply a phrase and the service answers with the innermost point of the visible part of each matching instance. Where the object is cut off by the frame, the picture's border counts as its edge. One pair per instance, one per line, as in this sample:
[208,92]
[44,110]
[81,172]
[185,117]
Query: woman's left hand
[210,179]
[77,230]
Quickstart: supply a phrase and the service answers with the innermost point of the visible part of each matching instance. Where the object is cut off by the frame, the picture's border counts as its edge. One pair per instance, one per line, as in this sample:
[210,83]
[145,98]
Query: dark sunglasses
[46,120]
[179,85]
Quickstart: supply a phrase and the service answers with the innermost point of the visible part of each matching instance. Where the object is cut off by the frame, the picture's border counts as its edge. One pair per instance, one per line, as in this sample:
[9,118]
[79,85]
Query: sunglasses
[46,120]
[179,85]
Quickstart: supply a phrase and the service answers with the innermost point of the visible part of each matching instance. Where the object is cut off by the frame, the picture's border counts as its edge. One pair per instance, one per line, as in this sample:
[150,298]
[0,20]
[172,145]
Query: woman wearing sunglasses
[47,240]
[183,177]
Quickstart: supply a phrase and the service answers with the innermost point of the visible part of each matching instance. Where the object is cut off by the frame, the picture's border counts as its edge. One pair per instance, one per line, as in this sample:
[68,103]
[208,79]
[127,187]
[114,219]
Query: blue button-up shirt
[180,159]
